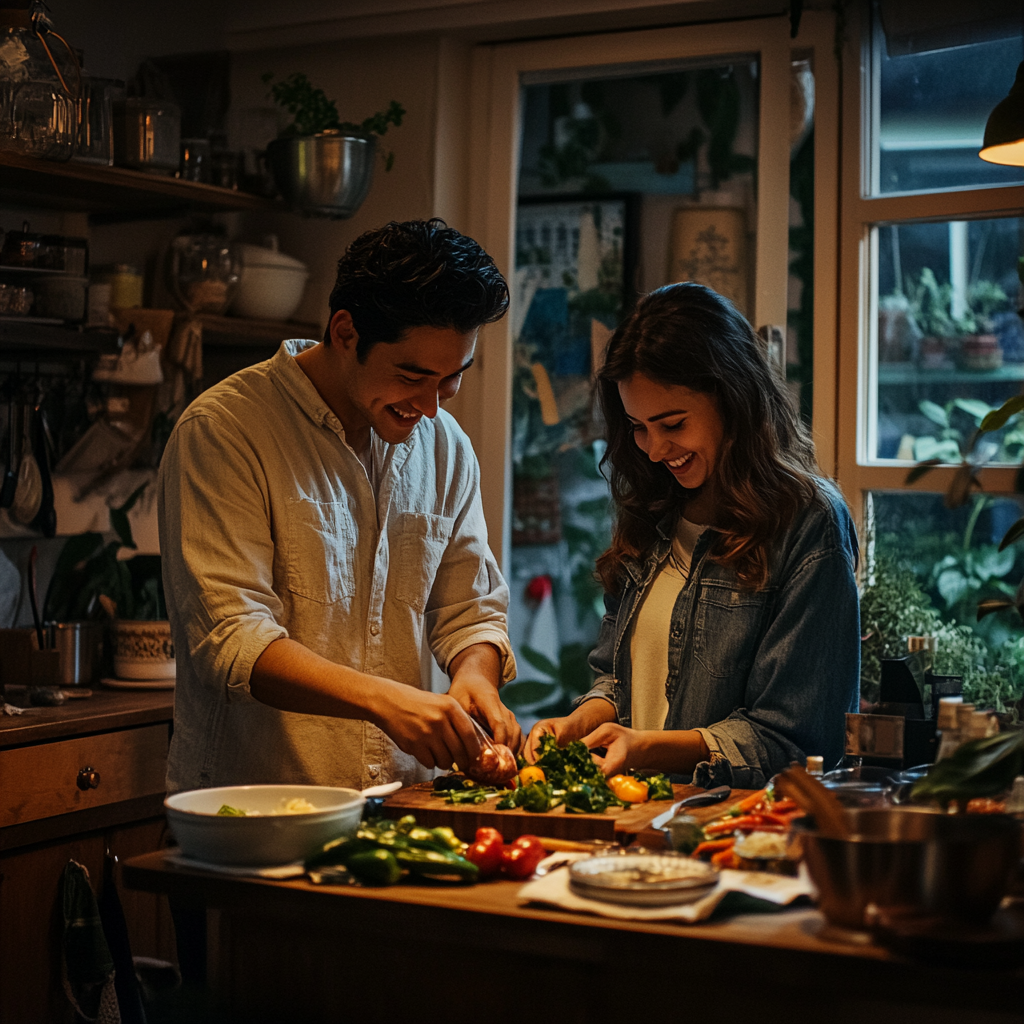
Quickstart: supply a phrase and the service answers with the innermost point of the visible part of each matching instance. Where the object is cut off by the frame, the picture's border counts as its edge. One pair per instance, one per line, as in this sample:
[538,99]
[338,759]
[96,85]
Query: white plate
[642,879]
[139,684]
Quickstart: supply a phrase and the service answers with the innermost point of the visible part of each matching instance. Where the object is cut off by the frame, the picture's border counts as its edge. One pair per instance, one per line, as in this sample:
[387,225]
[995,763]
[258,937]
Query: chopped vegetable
[228,811]
[531,773]
[374,867]
[538,797]
[628,789]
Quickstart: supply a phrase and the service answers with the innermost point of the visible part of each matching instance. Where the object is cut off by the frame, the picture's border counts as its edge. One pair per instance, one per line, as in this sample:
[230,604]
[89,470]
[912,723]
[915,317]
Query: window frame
[860,212]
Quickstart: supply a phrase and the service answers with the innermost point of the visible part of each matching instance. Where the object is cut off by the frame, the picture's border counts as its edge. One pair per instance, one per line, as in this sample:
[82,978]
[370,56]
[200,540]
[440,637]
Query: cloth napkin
[755,889]
[277,871]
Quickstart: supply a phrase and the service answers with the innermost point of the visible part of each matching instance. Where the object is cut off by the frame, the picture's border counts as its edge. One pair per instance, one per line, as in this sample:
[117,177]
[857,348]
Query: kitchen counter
[290,950]
[104,710]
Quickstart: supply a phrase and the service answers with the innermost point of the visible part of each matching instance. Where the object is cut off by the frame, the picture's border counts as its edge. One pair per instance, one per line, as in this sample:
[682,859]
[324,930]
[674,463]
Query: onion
[493,767]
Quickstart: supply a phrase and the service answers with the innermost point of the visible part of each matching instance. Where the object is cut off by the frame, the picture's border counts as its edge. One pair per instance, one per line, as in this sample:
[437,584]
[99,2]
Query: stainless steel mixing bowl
[956,866]
[327,175]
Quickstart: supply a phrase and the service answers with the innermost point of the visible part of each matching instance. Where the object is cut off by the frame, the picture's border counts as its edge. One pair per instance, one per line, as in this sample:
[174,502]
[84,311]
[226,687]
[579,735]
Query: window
[930,338]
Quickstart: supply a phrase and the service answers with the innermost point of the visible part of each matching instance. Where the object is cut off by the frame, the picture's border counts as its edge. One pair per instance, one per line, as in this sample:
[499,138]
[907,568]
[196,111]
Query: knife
[710,796]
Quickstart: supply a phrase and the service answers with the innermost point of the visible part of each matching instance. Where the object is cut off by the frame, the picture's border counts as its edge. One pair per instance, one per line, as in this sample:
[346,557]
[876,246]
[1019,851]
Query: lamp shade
[1004,131]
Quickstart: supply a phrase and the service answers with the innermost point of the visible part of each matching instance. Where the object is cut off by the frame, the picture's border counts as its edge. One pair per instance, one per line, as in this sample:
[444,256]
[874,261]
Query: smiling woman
[731,634]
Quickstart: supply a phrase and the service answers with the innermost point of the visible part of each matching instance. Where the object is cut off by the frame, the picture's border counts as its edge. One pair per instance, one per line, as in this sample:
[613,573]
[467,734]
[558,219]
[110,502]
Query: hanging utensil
[10,480]
[45,520]
[33,596]
[29,492]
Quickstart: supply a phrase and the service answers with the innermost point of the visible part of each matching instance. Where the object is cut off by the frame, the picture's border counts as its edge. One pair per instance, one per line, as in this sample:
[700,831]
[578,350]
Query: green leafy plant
[90,580]
[312,112]
[982,767]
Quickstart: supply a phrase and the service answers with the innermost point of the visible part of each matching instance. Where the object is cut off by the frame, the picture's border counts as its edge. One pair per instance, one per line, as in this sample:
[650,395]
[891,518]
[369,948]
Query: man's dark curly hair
[419,273]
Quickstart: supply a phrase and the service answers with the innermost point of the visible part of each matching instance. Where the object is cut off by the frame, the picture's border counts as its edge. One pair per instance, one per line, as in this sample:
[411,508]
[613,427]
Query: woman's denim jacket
[765,676]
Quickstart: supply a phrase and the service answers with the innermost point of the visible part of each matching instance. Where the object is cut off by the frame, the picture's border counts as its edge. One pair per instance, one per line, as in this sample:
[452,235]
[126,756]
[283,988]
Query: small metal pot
[80,645]
[328,175]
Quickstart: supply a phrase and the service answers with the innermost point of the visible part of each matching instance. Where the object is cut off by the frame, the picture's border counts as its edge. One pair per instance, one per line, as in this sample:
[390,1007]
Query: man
[320,524]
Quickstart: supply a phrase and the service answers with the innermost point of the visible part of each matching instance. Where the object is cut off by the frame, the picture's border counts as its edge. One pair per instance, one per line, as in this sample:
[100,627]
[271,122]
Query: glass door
[629,162]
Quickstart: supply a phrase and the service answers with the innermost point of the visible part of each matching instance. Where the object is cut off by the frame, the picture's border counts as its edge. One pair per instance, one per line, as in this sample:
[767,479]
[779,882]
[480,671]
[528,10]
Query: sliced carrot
[714,845]
[784,806]
[750,802]
[724,859]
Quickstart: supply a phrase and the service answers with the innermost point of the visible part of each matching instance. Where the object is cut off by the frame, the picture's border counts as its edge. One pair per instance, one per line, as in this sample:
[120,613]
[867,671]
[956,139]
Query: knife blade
[710,796]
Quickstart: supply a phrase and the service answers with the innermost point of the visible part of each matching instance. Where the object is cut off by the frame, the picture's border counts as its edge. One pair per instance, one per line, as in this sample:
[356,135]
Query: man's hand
[475,674]
[587,717]
[432,727]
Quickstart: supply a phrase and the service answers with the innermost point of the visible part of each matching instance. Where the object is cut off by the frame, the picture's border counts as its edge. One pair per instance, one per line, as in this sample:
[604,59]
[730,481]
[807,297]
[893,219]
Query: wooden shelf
[24,338]
[113,193]
[236,330]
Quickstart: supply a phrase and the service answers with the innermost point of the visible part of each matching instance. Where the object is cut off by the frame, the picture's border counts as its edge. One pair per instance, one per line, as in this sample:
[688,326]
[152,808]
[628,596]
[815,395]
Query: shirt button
[374,629]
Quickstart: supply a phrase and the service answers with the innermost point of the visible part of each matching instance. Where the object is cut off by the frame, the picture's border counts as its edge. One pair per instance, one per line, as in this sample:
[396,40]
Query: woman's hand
[587,717]
[624,748]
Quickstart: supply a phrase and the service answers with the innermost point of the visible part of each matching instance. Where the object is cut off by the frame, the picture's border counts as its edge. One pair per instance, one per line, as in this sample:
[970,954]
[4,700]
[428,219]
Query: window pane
[949,342]
[929,568]
[627,182]
[932,112]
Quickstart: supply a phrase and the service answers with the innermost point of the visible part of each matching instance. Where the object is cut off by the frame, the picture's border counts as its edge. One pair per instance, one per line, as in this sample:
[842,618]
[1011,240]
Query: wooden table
[291,951]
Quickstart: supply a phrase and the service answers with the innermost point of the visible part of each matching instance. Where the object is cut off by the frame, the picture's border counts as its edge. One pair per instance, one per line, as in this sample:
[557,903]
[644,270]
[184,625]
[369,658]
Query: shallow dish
[271,838]
[642,879]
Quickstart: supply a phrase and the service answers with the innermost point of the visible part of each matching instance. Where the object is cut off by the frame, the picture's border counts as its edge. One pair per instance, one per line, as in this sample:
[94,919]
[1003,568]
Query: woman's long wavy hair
[686,334]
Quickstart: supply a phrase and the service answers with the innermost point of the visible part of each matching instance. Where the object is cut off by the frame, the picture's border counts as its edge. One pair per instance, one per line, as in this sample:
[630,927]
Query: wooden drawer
[43,780]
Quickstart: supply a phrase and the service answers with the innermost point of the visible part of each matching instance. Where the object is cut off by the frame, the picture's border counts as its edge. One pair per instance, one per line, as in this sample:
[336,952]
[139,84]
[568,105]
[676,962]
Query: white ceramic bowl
[263,841]
[270,283]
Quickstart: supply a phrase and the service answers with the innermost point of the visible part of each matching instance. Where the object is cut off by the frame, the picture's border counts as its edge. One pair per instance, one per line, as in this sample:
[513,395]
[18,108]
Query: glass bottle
[40,86]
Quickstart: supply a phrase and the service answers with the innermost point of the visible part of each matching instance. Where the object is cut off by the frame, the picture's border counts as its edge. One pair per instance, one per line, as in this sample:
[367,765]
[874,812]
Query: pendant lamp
[1004,131]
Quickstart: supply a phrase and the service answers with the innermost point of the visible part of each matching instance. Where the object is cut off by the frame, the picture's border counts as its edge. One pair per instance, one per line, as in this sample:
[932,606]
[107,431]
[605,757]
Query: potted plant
[92,582]
[321,164]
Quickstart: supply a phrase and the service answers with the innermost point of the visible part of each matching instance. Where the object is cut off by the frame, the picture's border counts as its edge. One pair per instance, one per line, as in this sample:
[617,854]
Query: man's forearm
[290,677]
[478,661]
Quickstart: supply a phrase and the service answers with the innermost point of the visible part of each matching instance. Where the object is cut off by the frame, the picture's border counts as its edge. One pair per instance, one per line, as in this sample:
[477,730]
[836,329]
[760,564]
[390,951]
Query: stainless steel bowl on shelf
[328,175]
[914,859]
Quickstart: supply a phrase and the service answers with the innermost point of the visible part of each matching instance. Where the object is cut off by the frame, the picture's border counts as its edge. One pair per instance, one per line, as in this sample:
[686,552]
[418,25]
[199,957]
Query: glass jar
[203,272]
[39,87]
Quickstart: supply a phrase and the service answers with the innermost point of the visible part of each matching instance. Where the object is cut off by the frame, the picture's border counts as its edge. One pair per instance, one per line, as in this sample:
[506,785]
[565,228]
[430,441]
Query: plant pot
[980,352]
[143,650]
[328,175]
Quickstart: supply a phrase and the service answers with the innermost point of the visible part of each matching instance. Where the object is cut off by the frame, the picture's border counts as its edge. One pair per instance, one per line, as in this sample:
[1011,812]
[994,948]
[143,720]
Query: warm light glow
[1009,153]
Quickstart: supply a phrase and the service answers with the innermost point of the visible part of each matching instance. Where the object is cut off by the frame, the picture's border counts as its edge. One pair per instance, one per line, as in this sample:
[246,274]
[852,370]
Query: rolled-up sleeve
[217,553]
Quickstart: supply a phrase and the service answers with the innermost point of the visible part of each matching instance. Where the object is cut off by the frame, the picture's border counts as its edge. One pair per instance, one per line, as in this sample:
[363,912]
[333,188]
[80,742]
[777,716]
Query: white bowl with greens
[261,826]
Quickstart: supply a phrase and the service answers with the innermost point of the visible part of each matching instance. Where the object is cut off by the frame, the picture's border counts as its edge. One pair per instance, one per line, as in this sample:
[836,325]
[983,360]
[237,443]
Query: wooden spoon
[816,800]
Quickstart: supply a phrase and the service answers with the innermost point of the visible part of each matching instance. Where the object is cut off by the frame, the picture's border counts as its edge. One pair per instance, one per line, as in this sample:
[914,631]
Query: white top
[270,528]
[649,643]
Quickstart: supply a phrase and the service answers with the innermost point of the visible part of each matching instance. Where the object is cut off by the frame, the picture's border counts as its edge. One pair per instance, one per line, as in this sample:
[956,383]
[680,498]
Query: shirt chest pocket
[321,540]
[419,544]
[728,629]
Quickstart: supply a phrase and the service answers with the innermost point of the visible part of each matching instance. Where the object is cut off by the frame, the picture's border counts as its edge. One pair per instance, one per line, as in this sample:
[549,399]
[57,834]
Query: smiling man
[322,534]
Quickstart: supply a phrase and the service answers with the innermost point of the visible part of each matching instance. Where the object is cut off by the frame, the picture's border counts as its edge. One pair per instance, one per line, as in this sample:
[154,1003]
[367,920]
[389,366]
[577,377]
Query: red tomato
[519,860]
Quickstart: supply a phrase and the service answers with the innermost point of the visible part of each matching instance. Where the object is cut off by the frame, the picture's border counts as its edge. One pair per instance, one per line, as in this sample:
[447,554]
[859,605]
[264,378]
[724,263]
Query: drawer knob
[88,778]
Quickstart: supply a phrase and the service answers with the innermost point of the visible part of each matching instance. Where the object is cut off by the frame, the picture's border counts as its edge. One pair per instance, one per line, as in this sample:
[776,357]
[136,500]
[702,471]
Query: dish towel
[87,966]
[738,891]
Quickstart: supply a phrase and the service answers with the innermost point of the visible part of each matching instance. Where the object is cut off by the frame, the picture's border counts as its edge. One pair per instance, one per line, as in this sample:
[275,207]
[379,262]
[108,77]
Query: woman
[730,644]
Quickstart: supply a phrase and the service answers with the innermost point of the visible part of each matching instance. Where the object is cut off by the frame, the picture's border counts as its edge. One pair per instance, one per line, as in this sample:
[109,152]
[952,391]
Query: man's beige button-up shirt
[269,528]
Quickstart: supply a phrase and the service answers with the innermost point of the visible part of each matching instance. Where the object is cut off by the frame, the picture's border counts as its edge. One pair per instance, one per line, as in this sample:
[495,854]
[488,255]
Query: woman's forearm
[675,751]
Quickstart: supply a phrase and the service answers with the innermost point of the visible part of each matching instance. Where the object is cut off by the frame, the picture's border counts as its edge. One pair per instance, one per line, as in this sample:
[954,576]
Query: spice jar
[125,285]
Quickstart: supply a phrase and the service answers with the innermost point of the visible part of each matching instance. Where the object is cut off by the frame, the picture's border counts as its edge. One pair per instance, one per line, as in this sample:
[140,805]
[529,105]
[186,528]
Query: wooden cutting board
[618,824]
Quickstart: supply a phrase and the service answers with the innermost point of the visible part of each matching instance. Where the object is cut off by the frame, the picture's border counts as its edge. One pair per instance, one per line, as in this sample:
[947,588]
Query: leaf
[933,449]
[988,607]
[978,768]
[540,661]
[1013,534]
[974,407]
[924,467]
[530,693]
[996,419]
[952,585]
[960,486]
[934,412]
